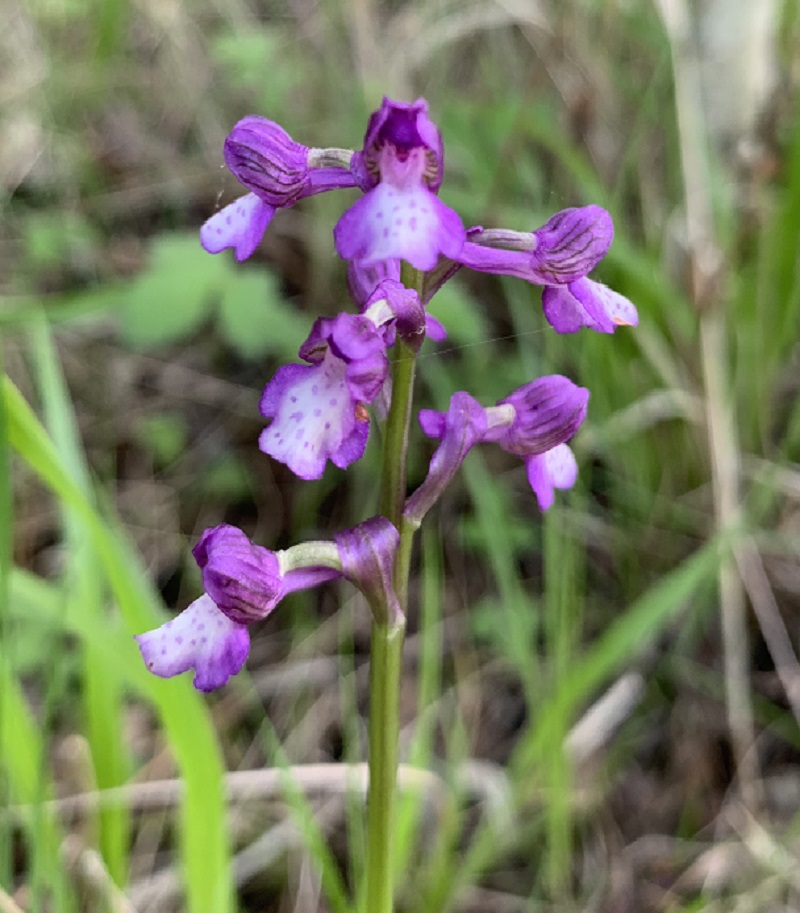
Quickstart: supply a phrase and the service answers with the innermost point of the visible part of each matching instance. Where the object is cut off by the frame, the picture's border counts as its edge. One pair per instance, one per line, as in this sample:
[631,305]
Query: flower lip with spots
[400,217]
[240,225]
[244,583]
[586,303]
[200,638]
[278,172]
[317,410]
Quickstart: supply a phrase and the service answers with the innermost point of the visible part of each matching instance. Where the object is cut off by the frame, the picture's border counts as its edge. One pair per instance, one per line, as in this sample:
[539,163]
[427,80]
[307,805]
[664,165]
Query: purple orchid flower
[400,217]
[534,420]
[245,582]
[278,172]
[559,256]
[318,410]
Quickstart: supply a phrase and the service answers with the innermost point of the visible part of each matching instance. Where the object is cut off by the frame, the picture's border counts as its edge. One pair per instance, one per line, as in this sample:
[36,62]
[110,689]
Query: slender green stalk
[386,652]
[395,443]
[384,688]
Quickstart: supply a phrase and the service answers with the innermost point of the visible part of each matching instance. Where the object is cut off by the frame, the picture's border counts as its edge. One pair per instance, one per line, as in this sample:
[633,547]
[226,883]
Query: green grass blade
[205,846]
[102,692]
[621,643]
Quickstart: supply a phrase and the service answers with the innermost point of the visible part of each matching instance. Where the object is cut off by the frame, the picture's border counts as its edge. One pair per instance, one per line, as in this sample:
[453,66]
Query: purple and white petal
[368,553]
[557,468]
[361,345]
[563,250]
[598,298]
[363,280]
[240,225]
[407,224]
[403,128]
[563,311]
[459,429]
[496,260]
[200,638]
[314,418]
[434,329]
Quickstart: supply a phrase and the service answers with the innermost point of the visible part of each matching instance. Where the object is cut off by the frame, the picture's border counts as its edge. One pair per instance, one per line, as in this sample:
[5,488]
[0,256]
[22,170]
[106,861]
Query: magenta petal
[433,423]
[356,341]
[404,303]
[557,468]
[565,313]
[587,303]
[243,579]
[354,442]
[548,412]
[368,553]
[434,329]
[200,638]
[240,225]
[362,280]
[263,157]
[306,578]
[460,428]
[604,305]
[407,224]
[497,260]
[406,127]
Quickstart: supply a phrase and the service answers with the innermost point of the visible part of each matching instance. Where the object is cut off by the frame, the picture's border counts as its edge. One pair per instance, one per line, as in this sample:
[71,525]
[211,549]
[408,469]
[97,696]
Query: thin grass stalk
[723,444]
[6,561]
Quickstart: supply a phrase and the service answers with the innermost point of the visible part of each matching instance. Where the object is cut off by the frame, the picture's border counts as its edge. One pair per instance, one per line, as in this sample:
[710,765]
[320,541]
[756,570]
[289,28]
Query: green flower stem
[395,444]
[386,661]
[386,651]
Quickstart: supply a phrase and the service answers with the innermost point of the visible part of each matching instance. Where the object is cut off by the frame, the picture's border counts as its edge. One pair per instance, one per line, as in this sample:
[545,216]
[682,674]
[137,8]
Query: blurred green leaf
[227,478]
[173,296]
[51,238]
[254,318]
[459,312]
[164,436]
[183,284]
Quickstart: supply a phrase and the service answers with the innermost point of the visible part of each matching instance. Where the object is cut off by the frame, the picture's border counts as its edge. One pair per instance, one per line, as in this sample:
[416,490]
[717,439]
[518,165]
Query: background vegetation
[594,718]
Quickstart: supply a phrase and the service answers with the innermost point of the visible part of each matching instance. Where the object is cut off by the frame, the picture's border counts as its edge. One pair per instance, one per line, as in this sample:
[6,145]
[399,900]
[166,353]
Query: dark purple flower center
[400,129]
